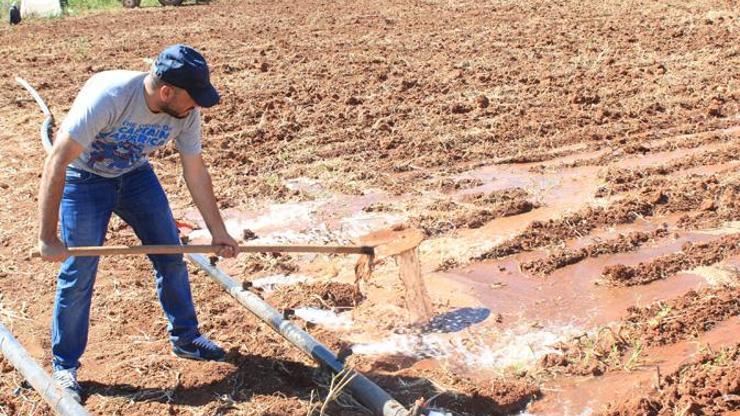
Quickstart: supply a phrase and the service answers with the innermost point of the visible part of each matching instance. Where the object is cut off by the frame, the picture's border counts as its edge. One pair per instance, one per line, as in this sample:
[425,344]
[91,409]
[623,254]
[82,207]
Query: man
[98,166]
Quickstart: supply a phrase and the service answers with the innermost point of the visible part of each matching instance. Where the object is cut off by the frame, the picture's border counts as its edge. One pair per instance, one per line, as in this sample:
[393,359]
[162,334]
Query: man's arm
[64,151]
[199,183]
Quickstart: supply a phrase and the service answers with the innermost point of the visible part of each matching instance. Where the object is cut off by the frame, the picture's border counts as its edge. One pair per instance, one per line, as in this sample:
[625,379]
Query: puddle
[535,312]
[641,225]
[583,396]
[559,194]
[569,295]
[326,318]
[726,274]
[572,185]
[338,219]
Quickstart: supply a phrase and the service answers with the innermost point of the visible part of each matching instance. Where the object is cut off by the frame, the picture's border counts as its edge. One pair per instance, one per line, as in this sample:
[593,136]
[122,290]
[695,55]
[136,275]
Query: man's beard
[167,109]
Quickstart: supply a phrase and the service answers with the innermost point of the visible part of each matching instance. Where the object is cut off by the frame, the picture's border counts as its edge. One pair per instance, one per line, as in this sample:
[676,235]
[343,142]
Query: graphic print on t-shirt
[124,147]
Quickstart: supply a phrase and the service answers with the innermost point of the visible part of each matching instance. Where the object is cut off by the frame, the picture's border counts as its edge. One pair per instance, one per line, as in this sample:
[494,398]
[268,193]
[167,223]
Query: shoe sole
[196,358]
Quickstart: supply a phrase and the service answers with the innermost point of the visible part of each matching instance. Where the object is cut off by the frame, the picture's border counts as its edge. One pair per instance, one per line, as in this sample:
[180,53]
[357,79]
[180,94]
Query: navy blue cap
[183,67]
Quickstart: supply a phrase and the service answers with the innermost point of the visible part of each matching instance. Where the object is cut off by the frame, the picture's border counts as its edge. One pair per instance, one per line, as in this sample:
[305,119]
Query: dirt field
[573,164]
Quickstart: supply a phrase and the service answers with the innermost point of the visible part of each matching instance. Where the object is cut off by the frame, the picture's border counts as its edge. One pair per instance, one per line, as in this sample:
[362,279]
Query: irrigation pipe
[366,392]
[57,398]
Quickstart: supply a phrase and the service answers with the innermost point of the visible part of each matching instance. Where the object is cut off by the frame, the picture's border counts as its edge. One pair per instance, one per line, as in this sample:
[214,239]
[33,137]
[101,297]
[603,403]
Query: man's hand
[229,246]
[52,250]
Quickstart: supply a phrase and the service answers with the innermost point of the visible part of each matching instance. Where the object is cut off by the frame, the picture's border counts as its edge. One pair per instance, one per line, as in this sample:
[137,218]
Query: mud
[685,317]
[462,395]
[621,244]
[713,212]
[692,255]
[449,185]
[707,386]
[589,395]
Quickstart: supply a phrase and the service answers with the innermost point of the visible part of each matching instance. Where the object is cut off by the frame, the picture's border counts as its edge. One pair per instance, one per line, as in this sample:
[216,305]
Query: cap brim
[205,97]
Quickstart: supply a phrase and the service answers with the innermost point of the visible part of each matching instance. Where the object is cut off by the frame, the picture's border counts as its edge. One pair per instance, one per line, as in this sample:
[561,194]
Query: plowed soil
[623,180]
[524,138]
[702,387]
[640,148]
[325,295]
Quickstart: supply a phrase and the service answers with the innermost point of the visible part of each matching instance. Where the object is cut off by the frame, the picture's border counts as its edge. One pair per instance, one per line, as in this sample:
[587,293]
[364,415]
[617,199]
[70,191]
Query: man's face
[176,102]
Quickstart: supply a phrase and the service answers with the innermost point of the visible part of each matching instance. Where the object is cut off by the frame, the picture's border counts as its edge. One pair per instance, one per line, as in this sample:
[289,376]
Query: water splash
[519,348]
[272,282]
[324,317]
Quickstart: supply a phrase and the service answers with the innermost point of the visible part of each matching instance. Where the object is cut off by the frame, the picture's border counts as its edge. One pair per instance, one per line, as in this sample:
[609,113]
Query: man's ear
[166,93]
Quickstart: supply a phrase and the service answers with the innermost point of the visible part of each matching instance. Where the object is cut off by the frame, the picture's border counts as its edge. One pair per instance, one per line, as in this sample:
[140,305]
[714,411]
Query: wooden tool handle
[208,248]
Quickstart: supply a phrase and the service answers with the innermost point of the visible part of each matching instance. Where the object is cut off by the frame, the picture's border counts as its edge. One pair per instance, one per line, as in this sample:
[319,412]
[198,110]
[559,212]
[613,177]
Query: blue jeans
[86,208]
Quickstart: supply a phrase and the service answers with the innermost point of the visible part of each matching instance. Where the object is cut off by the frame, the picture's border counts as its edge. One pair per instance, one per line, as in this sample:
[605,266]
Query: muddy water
[585,395]
[570,296]
[551,189]
[342,215]
[559,192]
[534,312]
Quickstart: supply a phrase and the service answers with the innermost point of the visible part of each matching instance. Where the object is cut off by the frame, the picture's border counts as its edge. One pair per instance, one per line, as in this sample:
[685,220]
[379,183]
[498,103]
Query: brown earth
[715,211]
[448,185]
[325,295]
[707,386]
[465,396]
[361,95]
[685,317]
[692,255]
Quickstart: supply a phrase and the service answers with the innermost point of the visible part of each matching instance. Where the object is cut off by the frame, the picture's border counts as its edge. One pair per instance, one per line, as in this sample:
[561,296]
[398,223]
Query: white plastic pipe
[57,398]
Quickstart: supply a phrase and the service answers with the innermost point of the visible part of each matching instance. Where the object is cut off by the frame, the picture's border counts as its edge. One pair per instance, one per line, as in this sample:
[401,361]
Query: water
[326,318]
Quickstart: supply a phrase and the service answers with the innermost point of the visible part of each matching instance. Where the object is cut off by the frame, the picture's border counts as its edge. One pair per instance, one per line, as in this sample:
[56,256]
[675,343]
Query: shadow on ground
[257,375]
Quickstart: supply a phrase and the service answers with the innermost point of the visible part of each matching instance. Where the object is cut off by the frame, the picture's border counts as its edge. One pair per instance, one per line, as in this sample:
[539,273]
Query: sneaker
[200,348]
[67,379]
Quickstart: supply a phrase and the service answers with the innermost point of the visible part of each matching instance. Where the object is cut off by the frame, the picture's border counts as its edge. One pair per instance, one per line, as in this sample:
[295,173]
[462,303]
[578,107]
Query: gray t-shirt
[111,120]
